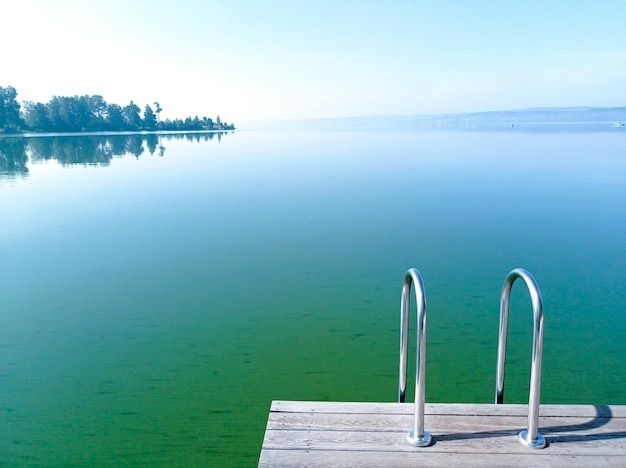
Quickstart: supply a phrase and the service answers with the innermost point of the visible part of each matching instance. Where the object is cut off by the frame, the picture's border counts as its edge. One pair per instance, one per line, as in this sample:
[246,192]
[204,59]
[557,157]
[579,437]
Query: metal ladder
[529,437]
[418,436]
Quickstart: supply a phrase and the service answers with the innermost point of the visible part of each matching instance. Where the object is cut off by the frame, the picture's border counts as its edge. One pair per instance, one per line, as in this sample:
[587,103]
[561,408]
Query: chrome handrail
[529,437]
[417,436]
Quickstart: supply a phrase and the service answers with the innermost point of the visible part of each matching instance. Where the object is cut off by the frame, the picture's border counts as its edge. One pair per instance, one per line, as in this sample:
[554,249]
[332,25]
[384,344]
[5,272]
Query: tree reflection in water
[90,150]
[13,157]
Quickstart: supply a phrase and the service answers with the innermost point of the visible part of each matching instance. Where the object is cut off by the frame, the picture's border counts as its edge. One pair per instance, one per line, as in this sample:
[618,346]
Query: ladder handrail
[531,436]
[417,436]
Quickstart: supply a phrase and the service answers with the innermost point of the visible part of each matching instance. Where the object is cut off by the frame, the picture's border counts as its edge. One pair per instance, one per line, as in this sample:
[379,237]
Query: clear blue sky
[258,60]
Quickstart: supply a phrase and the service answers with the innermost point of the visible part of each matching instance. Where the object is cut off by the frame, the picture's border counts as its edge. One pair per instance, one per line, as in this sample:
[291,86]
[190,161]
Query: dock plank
[450,424]
[376,460]
[374,434]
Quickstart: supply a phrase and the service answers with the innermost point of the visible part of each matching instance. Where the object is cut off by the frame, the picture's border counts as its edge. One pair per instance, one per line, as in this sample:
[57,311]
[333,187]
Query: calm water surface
[151,307]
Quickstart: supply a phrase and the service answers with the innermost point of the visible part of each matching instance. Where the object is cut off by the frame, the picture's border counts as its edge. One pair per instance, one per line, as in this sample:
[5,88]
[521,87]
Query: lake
[158,292]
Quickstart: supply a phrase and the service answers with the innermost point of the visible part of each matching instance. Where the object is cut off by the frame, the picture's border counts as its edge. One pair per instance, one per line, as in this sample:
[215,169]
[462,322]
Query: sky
[256,60]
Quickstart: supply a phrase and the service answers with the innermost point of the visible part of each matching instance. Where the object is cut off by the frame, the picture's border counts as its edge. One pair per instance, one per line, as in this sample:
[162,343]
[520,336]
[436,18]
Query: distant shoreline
[31,134]
[532,119]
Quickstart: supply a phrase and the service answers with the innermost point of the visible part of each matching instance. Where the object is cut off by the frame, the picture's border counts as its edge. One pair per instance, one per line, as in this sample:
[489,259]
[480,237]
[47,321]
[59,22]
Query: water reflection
[92,150]
[13,157]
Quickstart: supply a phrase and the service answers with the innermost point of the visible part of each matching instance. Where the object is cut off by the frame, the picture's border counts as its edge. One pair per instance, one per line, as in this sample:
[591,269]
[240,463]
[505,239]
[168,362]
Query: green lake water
[157,293]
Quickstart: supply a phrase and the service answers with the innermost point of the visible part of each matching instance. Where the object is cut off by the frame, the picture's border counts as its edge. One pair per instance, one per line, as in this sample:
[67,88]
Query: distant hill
[542,118]
[547,115]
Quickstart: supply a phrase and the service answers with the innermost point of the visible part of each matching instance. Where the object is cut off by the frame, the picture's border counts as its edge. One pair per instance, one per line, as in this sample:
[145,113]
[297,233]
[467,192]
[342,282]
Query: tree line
[90,114]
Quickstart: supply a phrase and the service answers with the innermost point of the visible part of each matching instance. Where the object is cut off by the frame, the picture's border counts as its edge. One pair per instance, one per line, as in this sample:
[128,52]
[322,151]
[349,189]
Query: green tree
[98,107]
[36,116]
[131,116]
[84,116]
[90,113]
[54,114]
[95,112]
[157,109]
[10,119]
[149,119]
[66,114]
[115,118]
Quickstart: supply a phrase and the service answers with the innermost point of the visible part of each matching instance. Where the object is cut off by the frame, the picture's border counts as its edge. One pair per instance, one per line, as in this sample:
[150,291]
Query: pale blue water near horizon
[152,307]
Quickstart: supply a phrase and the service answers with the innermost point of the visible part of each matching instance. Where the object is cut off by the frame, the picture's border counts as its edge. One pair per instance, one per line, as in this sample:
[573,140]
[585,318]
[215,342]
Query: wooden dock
[315,434]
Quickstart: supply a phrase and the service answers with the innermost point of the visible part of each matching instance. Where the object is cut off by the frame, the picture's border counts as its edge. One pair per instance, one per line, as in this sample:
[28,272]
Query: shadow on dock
[603,416]
[561,434]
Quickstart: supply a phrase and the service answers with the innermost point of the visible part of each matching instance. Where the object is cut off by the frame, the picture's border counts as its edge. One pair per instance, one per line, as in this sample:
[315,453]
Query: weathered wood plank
[615,411]
[444,423]
[374,434]
[482,442]
[319,459]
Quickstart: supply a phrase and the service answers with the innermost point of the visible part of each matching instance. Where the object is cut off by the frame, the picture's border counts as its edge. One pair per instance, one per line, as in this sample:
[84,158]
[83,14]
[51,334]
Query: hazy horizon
[248,61]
